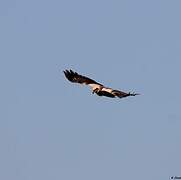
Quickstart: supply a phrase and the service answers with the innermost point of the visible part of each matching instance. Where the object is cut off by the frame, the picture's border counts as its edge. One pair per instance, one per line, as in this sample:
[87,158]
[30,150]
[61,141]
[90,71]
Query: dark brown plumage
[97,88]
[77,78]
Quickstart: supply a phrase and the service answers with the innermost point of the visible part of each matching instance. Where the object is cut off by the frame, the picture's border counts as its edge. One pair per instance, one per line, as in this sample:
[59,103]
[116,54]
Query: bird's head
[96,90]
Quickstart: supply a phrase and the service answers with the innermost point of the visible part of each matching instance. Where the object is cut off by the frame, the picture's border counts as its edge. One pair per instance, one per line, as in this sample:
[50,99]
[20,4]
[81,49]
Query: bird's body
[97,88]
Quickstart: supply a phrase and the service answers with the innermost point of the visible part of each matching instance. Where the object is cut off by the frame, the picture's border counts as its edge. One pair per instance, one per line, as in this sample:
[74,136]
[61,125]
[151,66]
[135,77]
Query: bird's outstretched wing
[77,78]
[122,94]
[97,88]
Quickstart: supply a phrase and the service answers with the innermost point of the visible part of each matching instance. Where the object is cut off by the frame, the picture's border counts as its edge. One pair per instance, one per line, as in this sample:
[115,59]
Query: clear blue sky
[52,129]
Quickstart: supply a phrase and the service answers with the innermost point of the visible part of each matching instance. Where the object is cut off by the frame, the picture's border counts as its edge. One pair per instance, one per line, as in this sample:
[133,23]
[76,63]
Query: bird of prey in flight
[97,88]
